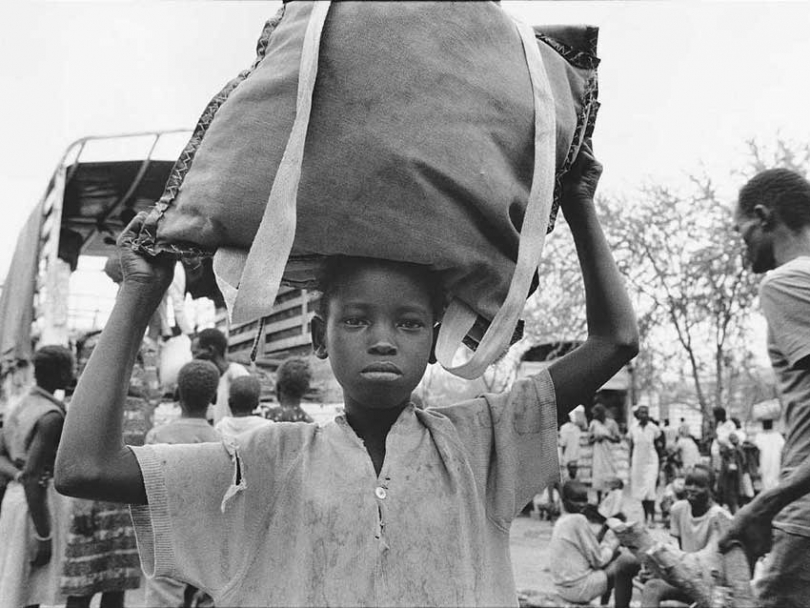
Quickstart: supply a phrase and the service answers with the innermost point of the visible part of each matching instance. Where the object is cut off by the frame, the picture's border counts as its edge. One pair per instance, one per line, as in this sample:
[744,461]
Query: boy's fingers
[132,230]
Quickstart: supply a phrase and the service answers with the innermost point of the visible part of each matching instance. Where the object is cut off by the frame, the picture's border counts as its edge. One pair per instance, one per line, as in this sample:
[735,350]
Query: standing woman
[31,526]
[644,461]
[601,433]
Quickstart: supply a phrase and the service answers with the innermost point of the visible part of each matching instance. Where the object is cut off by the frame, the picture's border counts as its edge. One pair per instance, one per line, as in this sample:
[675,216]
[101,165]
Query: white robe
[644,463]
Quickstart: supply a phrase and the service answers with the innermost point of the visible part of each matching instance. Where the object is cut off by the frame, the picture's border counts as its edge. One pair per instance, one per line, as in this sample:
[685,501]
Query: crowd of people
[67,550]
[391,501]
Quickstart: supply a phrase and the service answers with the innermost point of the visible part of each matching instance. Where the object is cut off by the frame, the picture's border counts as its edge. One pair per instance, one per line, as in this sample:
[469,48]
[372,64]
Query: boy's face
[378,335]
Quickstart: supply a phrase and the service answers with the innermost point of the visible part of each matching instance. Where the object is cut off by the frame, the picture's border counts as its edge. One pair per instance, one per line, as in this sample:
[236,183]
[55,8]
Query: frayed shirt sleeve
[193,527]
[511,442]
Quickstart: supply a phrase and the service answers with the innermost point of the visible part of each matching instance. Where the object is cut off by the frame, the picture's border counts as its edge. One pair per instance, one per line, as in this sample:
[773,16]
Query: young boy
[692,524]
[243,398]
[584,567]
[197,383]
[388,503]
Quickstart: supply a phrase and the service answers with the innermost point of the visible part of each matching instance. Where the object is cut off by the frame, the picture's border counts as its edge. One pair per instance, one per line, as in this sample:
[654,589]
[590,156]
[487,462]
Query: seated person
[243,398]
[673,492]
[612,501]
[585,568]
[692,525]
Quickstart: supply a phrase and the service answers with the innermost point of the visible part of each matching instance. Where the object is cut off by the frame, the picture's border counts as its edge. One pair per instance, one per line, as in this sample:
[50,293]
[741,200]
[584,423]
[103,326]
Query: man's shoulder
[679,507]
[792,275]
[718,511]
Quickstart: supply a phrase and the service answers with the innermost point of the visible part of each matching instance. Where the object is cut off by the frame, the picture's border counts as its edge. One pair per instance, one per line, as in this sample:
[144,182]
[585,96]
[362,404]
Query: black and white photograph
[404,303]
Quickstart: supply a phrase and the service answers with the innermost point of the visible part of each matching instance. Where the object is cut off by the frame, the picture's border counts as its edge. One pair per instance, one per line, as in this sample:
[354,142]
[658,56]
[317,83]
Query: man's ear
[432,358]
[764,215]
[318,334]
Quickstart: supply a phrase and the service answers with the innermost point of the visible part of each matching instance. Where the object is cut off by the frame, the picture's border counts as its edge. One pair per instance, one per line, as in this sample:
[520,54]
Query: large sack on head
[411,131]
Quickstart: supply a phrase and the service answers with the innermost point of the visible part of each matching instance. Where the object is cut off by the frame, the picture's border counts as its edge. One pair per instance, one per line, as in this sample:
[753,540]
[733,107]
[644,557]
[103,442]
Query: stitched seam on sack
[577,58]
[583,122]
[184,162]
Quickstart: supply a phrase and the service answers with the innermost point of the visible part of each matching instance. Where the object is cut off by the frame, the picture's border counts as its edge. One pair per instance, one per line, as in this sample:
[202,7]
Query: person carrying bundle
[386,504]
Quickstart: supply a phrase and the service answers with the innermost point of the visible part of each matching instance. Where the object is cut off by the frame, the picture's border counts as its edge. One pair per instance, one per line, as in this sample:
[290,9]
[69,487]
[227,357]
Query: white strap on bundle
[249,282]
[459,318]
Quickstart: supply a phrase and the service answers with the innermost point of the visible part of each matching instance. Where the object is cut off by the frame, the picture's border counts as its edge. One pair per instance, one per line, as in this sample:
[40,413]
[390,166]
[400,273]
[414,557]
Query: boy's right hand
[154,273]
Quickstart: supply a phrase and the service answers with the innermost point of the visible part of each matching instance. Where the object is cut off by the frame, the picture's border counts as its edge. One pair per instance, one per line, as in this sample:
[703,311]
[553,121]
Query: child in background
[292,383]
[693,525]
[584,568]
[386,504]
[243,398]
[197,384]
[612,502]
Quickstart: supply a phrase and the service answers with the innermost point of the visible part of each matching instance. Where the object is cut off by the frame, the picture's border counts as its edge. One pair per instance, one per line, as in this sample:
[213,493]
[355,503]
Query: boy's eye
[354,321]
[411,324]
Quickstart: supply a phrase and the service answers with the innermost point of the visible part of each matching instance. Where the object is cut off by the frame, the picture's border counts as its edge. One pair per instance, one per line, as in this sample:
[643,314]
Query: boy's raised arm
[612,330]
[92,461]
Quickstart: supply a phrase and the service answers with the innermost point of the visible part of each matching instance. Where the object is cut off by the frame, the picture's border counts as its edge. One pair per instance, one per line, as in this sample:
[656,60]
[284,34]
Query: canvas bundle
[429,132]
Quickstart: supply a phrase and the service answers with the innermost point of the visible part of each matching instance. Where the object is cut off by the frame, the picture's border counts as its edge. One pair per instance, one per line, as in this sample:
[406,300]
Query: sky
[683,85]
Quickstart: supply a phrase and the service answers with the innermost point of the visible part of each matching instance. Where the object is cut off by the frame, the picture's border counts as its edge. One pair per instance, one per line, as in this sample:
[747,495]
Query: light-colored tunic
[770,444]
[604,463]
[579,558]
[231,426]
[644,462]
[21,584]
[294,514]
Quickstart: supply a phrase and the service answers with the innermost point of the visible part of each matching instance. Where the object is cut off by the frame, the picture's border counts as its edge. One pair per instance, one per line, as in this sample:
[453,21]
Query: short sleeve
[188,531]
[511,439]
[785,299]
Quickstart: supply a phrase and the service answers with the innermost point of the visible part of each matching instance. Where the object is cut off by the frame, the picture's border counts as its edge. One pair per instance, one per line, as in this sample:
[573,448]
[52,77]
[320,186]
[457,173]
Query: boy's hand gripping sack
[429,132]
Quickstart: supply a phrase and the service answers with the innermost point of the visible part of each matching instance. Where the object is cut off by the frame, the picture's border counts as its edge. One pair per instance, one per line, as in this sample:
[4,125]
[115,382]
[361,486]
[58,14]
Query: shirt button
[380,493]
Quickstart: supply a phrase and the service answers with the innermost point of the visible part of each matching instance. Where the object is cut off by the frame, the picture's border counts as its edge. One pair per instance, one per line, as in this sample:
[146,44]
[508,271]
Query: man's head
[599,412]
[53,367]
[209,345]
[243,395]
[376,326]
[572,469]
[197,384]
[719,414]
[773,205]
[699,482]
[574,496]
[292,378]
